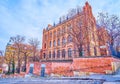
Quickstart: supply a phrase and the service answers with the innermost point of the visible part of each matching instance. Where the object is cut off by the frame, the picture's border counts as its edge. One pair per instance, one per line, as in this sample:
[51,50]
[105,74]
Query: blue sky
[29,17]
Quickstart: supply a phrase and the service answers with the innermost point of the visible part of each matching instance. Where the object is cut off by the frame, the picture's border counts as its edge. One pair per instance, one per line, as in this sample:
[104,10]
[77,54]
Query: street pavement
[92,79]
[46,81]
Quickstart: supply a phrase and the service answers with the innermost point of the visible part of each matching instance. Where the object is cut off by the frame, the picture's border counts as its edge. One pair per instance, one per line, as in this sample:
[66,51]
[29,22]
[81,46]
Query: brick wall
[93,65]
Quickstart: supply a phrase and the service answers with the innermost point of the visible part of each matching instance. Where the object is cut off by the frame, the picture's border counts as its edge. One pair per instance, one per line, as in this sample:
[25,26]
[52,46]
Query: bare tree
[17,41]
[72,12]
[112,25]
[26,50]
[35,44]
[10,58]
[79,33]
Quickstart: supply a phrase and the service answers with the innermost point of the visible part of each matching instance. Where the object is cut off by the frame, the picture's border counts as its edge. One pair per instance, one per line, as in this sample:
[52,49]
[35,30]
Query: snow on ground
[106,77]
[111,83]
[92,79]
[44,81]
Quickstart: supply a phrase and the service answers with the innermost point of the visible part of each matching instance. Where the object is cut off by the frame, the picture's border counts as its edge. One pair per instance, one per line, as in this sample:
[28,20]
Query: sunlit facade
[57,43]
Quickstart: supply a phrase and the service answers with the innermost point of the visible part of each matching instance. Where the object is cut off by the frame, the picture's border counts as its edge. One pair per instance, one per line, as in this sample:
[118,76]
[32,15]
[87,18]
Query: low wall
[95,65]
[88,65]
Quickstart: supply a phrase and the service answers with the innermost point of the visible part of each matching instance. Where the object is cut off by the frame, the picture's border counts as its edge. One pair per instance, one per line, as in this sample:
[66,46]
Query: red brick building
[59,52]
[57,43]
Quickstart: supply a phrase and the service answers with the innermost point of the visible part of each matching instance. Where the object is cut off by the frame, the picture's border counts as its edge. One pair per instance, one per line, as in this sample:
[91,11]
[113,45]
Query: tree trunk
[18,69]
[34,56]
[18,66]
[88,50]
[25,62]
[13,67]
[9,67]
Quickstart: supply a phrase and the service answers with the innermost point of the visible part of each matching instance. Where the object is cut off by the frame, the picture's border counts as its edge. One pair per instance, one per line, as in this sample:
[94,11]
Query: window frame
[63,53]
[69,52]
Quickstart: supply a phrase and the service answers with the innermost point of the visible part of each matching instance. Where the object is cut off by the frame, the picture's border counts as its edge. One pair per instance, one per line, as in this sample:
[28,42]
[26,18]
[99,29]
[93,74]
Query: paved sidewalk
[46,81]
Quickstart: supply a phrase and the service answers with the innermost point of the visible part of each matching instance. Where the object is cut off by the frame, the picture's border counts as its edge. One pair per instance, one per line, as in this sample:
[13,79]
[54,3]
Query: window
[54,33]
[54,43]
[69,52]
[44,55]
[50,44]
[58,33]
[50,34]
[63,41]
[50,54]
[69,27]
[63,30]
[63,53]
[45,37]
[58,54]
[79,23]
[58,42]
[45,45]
[53,54]
[69,39]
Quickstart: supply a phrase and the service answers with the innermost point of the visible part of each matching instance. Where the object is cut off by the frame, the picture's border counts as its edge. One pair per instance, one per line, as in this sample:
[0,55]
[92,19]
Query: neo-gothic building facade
[58,44]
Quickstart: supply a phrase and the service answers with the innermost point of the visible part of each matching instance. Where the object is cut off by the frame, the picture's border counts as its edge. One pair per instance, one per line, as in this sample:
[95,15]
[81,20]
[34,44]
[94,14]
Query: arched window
[69,39]
[50,54]
[54,43]
[63,41]
[53,54]
[58,42]
[50,44]
[69,52]
[63,53]
[58,54]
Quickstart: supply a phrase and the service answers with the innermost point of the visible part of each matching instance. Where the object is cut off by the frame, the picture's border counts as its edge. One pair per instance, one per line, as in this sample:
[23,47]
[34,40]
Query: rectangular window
[54,43]
[58,54]
[50,44]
